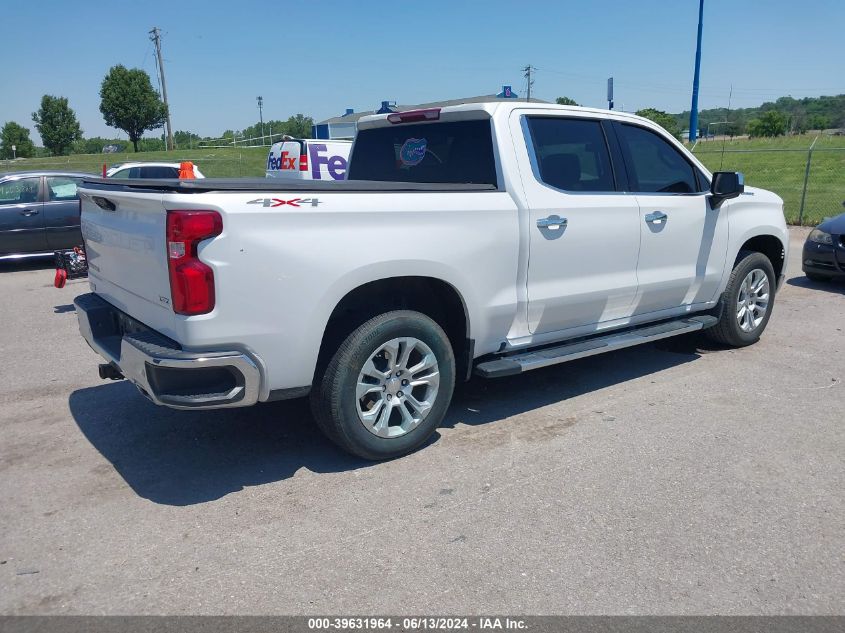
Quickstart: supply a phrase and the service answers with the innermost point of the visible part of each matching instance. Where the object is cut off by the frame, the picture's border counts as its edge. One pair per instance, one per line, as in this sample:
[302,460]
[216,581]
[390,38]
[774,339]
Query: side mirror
[726,185]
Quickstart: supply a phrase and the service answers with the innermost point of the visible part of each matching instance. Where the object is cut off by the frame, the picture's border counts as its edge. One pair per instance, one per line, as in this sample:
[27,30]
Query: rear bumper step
[162,371]
[520,362]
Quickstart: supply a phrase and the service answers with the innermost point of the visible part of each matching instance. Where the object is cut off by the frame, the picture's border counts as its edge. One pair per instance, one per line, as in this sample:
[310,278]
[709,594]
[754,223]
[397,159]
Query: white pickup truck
[490,238]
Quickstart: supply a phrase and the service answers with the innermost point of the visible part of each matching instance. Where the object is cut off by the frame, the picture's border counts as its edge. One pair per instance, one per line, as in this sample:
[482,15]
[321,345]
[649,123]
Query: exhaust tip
[109,372]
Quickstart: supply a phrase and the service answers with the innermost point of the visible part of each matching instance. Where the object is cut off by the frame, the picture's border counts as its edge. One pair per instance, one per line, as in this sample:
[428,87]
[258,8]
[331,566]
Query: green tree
[182,139]
[818,122]
[566,101]
[17,135]
[56,123]
[770,123]
[129,102]
[299,126]
[666,121]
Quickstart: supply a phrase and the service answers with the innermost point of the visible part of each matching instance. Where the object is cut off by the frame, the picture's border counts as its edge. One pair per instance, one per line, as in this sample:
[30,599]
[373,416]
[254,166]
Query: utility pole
[693,115]
[261,115]
[155,36]
[528,70]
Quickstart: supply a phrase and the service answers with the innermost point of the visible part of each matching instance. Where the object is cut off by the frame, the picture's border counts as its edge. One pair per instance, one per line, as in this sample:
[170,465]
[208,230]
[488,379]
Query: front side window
[572,154]
[19,191]
[459,152]
[62,187]
[654,165]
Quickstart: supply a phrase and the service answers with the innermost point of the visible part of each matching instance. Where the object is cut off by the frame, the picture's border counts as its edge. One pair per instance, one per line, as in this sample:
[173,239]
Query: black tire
[333,396]
[728,331]
[817,277]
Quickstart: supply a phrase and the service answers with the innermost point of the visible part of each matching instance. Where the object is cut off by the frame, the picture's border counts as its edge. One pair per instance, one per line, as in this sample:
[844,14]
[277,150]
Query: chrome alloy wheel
[753,300]
[397,387]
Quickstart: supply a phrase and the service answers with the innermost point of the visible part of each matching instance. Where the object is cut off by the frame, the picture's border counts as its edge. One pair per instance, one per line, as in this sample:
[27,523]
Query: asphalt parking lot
[661,479]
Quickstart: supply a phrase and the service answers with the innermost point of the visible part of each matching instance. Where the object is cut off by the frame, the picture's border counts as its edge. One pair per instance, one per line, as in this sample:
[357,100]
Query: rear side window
[62,188]
[654,165]
[571,154]
[159,171]
[459,152]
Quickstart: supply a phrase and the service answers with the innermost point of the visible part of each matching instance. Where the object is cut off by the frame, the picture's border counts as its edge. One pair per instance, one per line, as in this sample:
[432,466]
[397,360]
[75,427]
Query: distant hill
[809,113]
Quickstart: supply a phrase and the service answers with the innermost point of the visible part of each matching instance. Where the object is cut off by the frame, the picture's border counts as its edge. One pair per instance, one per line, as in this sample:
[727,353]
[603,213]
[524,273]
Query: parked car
[148,170]
[494,238]
[823,258]
[39,212]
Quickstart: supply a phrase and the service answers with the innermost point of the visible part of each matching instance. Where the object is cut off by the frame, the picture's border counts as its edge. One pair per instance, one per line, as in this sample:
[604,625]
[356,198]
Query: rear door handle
[658,217]
[553,223]
[29,212]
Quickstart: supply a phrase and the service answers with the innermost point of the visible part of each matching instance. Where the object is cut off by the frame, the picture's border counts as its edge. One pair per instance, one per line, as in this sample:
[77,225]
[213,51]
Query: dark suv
[39,212]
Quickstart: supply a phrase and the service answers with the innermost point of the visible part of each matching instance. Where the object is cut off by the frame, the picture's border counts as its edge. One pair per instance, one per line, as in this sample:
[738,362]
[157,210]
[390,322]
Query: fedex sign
[309,160]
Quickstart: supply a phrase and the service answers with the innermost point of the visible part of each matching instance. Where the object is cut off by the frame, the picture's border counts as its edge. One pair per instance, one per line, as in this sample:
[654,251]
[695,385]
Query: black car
[39,212]
[824,251]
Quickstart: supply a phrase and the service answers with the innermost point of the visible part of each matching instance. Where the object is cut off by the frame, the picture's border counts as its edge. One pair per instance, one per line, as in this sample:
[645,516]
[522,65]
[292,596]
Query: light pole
[261,115]
[693,115]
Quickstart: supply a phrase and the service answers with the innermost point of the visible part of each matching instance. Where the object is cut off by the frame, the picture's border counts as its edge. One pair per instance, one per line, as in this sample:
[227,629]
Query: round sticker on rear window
[412,151]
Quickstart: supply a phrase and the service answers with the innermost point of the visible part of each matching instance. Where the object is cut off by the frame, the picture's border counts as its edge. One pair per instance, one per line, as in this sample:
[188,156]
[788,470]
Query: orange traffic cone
[186,170]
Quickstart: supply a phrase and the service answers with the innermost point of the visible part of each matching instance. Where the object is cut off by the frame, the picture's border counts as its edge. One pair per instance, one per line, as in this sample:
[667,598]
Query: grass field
[779,165]
[776,164]
[227,162]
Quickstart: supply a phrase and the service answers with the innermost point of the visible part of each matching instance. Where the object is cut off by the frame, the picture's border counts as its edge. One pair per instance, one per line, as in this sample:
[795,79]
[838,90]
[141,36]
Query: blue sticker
[413,151]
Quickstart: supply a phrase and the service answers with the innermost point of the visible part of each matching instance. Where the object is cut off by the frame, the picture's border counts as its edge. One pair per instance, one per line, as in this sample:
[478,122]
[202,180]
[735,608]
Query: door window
[159,171]
[62,188]
[571,154]
[19,191]
[654,165]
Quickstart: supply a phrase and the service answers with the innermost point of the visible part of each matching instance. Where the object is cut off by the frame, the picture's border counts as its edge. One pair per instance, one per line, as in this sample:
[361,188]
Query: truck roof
[493,107]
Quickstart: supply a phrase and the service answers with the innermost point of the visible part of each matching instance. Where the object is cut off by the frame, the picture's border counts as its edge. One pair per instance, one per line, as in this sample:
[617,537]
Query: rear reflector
[191,280]
[411,116]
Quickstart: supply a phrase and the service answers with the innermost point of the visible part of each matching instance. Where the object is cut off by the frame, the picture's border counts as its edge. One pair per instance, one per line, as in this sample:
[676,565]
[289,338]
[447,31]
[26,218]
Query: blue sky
[319,58]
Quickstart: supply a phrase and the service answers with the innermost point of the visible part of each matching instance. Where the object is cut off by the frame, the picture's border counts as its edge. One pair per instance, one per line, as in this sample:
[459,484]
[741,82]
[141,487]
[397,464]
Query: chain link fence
[811,180]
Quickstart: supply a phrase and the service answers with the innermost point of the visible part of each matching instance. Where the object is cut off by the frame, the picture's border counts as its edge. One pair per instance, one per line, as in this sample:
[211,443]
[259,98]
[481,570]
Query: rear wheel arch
[430,296]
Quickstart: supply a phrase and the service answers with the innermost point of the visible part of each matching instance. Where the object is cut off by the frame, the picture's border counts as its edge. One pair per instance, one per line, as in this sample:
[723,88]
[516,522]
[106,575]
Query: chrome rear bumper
[160,369]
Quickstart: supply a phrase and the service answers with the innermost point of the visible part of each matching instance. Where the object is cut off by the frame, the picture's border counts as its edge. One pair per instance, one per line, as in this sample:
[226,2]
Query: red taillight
[303,162]
[191,281]
[411,116]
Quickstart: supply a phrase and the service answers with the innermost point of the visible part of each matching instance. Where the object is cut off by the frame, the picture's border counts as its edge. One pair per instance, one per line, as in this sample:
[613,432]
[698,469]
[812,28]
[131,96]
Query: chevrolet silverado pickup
[488,239]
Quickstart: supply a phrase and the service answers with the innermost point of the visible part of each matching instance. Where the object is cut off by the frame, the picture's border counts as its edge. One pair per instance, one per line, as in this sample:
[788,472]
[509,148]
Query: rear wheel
[388,386]
[746,305]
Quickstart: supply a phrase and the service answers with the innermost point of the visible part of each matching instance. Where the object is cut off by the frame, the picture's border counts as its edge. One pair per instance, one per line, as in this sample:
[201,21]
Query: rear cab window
[449,152]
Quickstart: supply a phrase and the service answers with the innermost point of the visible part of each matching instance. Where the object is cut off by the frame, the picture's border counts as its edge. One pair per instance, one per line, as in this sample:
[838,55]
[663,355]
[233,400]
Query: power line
[155,36]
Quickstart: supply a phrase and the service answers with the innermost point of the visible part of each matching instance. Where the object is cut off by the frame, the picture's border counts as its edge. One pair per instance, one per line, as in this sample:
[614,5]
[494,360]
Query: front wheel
[388,386]
[746,305]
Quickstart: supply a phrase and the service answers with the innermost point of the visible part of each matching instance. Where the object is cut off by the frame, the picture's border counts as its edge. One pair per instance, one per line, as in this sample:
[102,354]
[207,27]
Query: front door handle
[658,217]
[29,212]
[553,223]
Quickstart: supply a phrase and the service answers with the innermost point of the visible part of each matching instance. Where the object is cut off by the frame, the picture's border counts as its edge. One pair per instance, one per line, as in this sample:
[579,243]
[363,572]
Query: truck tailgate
[126,253]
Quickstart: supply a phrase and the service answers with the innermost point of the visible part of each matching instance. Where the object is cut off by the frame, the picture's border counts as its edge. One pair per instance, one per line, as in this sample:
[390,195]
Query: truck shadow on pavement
[835,286]
[184,457]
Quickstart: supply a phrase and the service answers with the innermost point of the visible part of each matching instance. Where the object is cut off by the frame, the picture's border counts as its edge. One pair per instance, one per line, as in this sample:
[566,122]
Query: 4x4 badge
[278,202]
